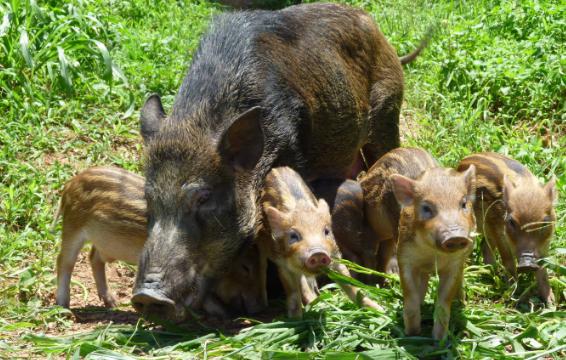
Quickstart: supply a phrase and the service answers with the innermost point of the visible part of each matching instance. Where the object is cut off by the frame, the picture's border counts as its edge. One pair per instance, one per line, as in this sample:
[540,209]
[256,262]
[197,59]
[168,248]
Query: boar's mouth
[153,303]
[527,262]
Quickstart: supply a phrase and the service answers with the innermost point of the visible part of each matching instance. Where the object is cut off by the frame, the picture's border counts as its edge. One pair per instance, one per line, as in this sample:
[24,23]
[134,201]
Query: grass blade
[24,47]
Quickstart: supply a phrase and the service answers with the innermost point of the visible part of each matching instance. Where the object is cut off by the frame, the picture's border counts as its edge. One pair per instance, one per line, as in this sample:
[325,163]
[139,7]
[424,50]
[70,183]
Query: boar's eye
[196,195]
[294,237]
[203,196]
[326,231]
[426,211]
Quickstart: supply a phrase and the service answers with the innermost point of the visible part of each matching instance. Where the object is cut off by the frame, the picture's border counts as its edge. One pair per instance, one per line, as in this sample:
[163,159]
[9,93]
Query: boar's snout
[454,239]
[527,262]
[317,259]
[149,301]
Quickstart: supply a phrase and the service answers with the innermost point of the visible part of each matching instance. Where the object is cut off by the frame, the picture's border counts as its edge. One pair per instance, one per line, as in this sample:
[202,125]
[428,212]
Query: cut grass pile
[74,74]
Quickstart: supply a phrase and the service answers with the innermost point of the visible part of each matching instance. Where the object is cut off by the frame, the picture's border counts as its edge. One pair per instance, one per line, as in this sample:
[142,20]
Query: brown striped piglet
[381,209]
[297,236]
[515,214]
[106,206]
[431,228]
[435,236]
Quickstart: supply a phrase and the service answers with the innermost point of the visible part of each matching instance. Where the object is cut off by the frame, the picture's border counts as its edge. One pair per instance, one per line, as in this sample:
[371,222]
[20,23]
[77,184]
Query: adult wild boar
[305,87]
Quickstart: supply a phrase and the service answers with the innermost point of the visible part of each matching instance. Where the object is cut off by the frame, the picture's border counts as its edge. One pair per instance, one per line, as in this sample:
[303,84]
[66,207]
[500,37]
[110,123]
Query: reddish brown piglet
[297,236]
[434,237]
[515,214]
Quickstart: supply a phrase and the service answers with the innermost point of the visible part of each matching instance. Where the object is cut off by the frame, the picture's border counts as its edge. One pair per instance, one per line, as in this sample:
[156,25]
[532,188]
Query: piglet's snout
[453,239]
[317,259]
[527,262]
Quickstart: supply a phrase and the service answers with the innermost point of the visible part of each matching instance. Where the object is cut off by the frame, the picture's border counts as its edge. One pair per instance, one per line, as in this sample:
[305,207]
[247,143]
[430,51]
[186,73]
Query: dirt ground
[88,311]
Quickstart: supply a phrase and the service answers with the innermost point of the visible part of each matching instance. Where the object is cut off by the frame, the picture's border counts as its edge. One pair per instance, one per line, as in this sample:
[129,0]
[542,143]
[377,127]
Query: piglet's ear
[470,181]
[550,190]
[241,145]
[152,115]
[508,187]
[403,188]
[277,220]
[323,208]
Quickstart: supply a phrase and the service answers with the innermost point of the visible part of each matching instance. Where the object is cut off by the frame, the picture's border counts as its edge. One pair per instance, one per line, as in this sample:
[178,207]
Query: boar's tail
[424,43]
[57,215]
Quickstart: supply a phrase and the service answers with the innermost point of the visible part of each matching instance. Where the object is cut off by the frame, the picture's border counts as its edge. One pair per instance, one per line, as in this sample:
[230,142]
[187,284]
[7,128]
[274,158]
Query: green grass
[74,75]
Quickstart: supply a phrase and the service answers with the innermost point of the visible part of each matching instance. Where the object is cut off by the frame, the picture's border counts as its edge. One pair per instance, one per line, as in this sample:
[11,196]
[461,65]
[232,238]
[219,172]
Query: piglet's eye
[326,231]
[294,237]
[426,211]
[511,223]
[464,203]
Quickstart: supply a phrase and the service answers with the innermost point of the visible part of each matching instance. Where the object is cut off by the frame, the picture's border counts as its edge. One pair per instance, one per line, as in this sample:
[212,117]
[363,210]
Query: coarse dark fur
[307,87]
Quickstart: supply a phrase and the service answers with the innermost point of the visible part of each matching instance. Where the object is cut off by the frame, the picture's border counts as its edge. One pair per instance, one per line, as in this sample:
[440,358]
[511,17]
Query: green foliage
[73,74]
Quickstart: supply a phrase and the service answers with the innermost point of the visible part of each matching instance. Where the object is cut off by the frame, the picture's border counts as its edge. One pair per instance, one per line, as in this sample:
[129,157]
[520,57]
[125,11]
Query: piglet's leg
[352,291]
[412,286]
[97,262]
[544,290]
[450,283]
[292,285]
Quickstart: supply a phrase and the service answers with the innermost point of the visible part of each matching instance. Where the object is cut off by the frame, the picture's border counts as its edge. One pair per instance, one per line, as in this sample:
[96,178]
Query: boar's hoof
[150,302]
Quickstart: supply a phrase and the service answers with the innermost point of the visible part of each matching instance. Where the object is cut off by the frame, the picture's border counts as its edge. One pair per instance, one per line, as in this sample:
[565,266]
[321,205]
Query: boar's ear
[241,145]
[403,188]
[508,187]
[550,190]
[152,114]
[470,181]
[277,220]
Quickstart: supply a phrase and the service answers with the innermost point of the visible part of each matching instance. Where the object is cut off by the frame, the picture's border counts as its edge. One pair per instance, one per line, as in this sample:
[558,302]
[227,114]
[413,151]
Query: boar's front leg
[352,291]
[544,289]
[450,284]
[292,286]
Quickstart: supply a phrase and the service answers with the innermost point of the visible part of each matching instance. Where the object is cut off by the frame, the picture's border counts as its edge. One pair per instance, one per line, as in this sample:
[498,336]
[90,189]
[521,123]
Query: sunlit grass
[74,74]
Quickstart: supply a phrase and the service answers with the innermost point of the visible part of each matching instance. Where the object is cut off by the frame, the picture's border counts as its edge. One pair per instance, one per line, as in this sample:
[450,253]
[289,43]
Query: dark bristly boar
[106,206]
[381,209]
[307,86]
[297,236]
[435,228]
[515,213]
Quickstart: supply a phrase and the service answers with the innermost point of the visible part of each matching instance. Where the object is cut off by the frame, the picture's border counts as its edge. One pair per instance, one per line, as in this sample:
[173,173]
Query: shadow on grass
[96,314]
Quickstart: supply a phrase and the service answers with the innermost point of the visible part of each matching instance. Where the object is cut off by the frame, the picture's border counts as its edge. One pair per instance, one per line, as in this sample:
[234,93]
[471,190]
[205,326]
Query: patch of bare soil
[88,310]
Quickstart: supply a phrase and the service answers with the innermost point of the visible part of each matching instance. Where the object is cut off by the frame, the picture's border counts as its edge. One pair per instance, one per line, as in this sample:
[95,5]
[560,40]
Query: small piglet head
[529,219]
[442,200]
[240,288]
[304,235]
